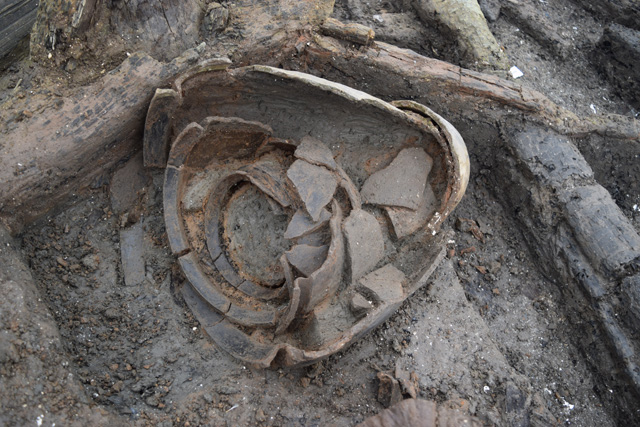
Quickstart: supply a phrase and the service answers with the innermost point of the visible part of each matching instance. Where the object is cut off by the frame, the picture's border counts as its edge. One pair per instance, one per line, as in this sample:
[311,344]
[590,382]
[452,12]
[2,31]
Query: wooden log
[352,32]
[390,72]
[464,21]
[16,19]
[619,60]
[624,12]
[69,141]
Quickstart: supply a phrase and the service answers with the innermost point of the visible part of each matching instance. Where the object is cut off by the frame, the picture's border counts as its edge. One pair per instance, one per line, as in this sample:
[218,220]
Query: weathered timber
[355,33]
[387,71]
[16,19]
[74,139]
[463,20]
[618,57]
[587,244]
[625,12]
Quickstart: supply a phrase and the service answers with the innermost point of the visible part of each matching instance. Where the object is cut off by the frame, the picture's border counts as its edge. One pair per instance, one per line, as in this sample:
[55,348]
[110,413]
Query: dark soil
[488,321]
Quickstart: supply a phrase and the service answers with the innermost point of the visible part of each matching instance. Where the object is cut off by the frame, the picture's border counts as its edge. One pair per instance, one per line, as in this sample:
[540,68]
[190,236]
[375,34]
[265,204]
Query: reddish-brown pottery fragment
[264,193]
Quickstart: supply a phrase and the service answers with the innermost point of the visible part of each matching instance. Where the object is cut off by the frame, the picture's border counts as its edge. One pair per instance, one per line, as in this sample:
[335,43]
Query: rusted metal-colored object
[302,212]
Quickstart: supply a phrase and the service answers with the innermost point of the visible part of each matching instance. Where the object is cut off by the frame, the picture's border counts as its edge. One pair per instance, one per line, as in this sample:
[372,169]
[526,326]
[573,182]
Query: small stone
[305,381]
[260,416]
[490,9]
[62,262]
[494,267]
[216,18]
[228,390]
[118,386]
[316,370]
[463,224]
[8,351]
[111,314]
[114,367]
[71,65]
[91,261]
[152,401]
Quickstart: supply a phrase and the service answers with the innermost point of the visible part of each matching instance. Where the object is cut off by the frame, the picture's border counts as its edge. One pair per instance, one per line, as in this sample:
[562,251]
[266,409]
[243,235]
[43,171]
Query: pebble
[260,416]
[494,267]
[91,261]
[152,401]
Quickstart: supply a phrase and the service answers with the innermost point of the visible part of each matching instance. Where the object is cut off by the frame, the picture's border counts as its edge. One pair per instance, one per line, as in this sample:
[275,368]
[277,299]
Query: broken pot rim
[456,164]
[455,151]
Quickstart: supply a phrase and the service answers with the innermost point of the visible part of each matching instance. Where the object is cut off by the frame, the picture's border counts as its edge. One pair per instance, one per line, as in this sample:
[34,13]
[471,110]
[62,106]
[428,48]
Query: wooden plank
[16,19]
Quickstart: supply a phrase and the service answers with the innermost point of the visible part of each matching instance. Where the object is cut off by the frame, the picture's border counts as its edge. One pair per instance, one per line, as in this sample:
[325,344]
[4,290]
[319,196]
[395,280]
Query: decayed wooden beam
[352,32]
[70,141]
[390,72]
[16,19]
